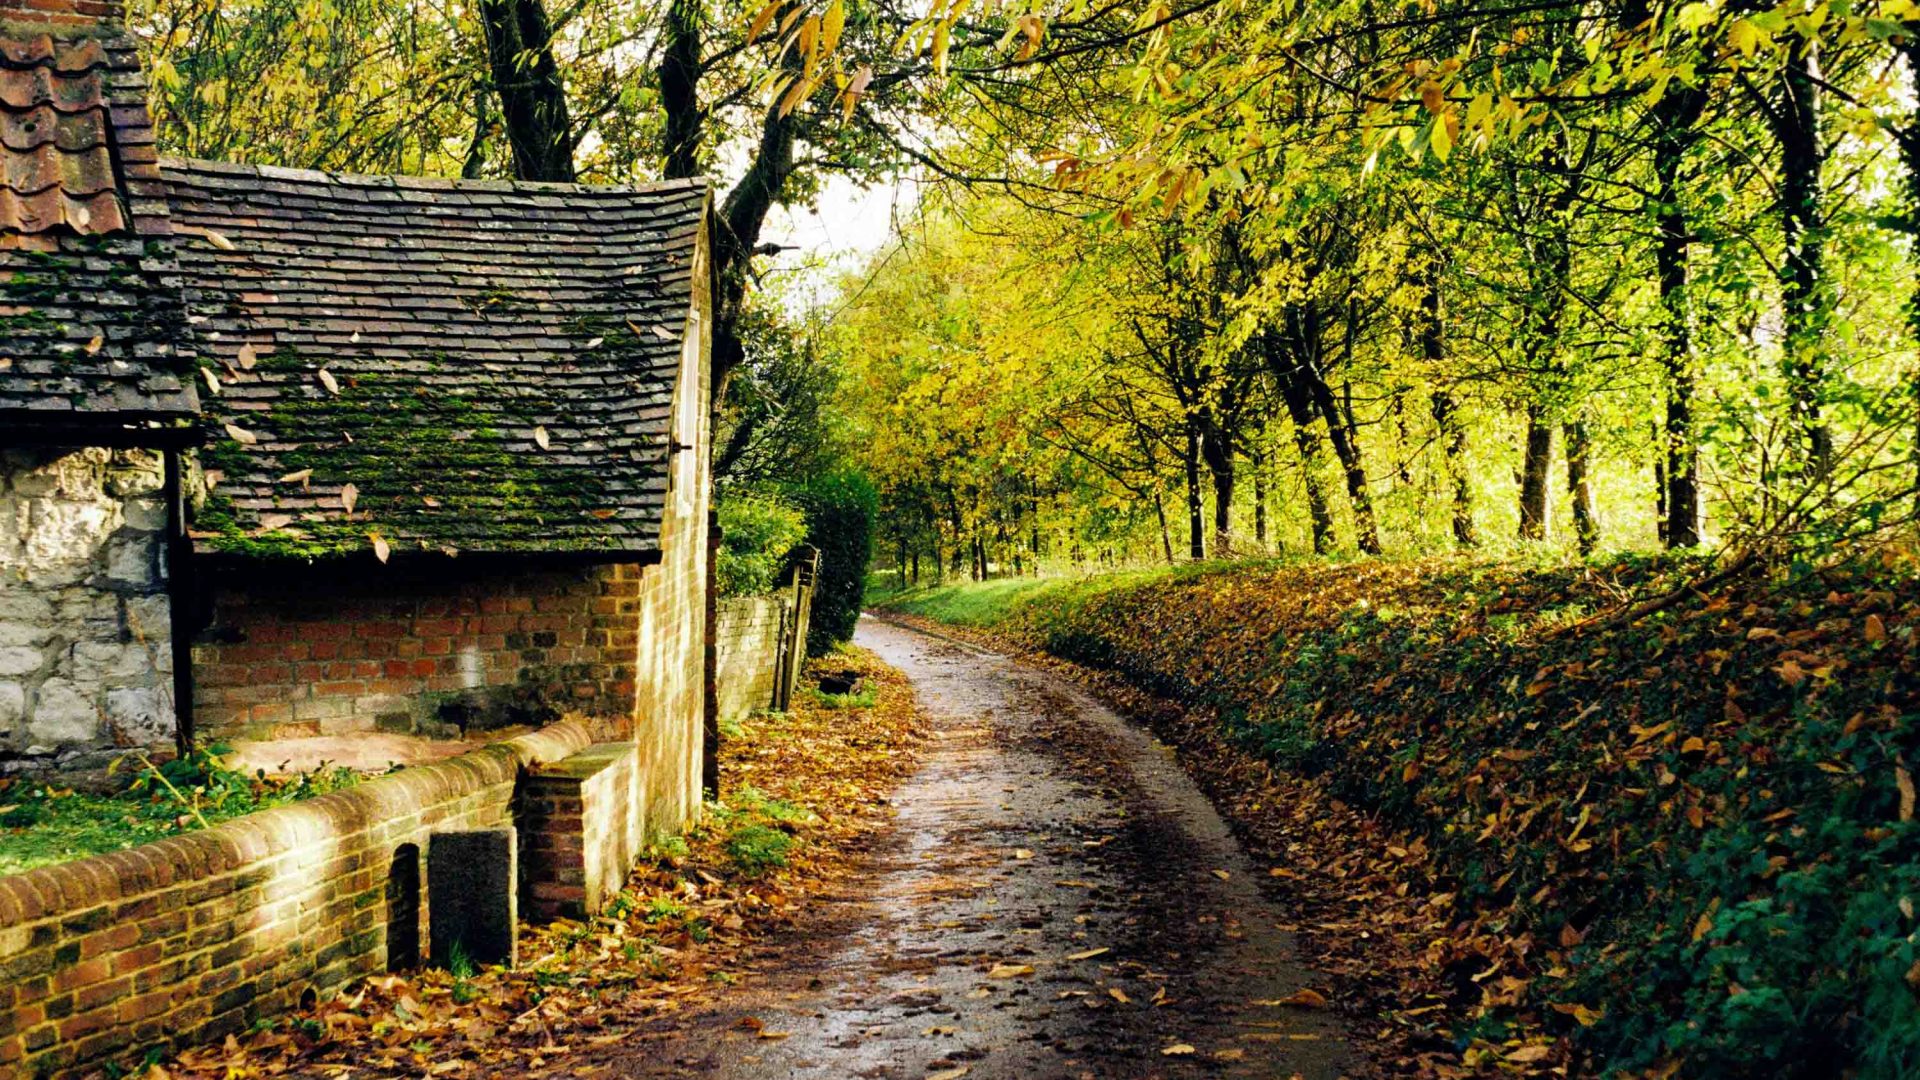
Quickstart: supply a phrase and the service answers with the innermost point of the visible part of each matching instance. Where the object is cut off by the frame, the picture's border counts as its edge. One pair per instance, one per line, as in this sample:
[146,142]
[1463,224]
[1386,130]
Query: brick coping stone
[61,888]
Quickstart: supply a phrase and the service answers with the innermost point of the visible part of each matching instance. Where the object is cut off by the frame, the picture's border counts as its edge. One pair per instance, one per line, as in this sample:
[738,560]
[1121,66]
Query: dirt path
[1041,827]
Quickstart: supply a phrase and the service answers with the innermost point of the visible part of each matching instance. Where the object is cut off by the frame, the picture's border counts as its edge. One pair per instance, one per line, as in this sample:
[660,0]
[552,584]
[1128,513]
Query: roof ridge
[406,181]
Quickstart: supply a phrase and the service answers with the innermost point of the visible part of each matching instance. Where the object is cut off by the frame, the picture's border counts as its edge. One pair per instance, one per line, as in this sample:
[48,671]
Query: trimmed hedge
[840,510]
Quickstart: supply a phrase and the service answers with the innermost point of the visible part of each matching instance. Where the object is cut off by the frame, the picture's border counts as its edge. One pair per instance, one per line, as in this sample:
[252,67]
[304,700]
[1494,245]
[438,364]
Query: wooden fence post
[805,569]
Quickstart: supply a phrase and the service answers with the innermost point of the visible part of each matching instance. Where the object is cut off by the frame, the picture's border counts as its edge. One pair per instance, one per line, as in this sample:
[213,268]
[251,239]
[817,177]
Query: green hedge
[758,532]
[840,509]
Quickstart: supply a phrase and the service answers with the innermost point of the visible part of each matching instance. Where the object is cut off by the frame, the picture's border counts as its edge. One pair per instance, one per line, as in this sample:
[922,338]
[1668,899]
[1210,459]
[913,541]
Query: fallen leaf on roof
[327,380]
[248,357]
[300,477]
[217,239]
[349,495]
[213,381]
[380,548]
[270,522]
[540,437]
[596,343]
[94,345]
[241,435]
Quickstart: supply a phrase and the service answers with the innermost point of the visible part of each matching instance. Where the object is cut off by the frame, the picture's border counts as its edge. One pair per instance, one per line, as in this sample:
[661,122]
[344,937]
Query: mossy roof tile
[460,324]
[92,327]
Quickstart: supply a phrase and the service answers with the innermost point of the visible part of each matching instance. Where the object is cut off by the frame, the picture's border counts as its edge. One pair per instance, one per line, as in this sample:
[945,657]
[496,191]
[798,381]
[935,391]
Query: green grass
[988,604]
[42,823]
[865,699]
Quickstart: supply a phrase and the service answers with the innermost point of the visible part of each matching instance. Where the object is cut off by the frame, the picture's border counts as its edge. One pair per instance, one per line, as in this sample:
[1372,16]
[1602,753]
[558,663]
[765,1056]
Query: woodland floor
[1055,898]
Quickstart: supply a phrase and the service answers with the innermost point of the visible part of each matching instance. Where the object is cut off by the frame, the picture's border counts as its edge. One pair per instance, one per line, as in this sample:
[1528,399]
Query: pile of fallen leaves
[804,789]
[1535,838]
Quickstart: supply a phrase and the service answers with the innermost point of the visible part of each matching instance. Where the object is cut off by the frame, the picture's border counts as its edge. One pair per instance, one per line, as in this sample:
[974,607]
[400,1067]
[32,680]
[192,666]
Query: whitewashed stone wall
[85,657]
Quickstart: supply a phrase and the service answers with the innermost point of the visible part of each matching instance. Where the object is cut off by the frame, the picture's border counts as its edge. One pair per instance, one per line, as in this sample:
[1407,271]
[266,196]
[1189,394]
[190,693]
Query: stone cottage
[295,453]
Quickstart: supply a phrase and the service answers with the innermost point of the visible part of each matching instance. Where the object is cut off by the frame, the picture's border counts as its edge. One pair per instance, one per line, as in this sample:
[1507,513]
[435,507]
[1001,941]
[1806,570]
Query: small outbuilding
[290,453]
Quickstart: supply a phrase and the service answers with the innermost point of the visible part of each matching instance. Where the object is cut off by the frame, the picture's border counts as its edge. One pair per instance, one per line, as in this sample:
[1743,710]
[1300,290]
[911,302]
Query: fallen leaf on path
[1119,995]
[1306,999]
[954,1073]
[1178,1050]
[1022,853]
[1089,954]
[1009,971]
[1223,875]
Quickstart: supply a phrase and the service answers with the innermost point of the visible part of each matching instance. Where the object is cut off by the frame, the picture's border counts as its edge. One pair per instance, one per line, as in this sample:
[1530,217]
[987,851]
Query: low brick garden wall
[189,938]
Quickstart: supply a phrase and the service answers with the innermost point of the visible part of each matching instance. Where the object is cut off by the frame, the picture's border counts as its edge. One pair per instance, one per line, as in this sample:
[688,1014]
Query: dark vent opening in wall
[403,909]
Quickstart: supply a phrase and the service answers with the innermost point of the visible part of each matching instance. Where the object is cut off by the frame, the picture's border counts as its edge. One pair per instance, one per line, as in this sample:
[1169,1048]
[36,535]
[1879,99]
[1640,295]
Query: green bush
[756,849]
[840,509]
[757,534]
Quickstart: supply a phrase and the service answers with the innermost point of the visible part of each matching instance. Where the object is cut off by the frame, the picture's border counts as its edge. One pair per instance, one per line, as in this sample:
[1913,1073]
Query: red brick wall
[747,636]
[187,939]
[317,650]
[75,12]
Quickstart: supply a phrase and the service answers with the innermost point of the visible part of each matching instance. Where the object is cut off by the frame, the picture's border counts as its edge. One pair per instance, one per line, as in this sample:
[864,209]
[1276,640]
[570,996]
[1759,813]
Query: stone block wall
[581,828]
[324,650]
[85,634]
[747,639]
[190,938]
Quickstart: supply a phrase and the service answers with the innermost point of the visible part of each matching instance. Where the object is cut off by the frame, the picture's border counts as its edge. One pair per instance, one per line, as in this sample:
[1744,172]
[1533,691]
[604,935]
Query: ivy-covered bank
[1683,843]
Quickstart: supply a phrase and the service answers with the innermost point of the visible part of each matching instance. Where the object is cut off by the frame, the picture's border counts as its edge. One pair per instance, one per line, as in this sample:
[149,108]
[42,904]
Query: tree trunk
[679,91]
[1260,503]
[1217,451]
[1804,292]
[533,101]
[1909,139]
[1536,479]
[1662,520]
[1453,445]
[1586,522]
[1366,535]
[1680,523]
[1196,509]
[1306,441]
[1166,534]
[1446,413]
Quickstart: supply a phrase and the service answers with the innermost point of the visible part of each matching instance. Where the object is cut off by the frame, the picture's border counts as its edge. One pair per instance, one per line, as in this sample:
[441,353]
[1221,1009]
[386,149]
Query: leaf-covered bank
[1682,844]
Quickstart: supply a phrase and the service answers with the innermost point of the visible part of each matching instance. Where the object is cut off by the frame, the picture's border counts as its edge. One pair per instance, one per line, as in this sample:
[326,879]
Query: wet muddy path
[1054,899]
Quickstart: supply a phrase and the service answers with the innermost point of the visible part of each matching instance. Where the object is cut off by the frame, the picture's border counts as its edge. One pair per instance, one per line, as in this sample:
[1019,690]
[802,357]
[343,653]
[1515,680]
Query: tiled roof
[473,365]
[91,326]
[56,163]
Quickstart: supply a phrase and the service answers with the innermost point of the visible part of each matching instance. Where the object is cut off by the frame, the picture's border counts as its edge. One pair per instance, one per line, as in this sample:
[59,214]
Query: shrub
[757,533]
[840,509]
[756,849]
